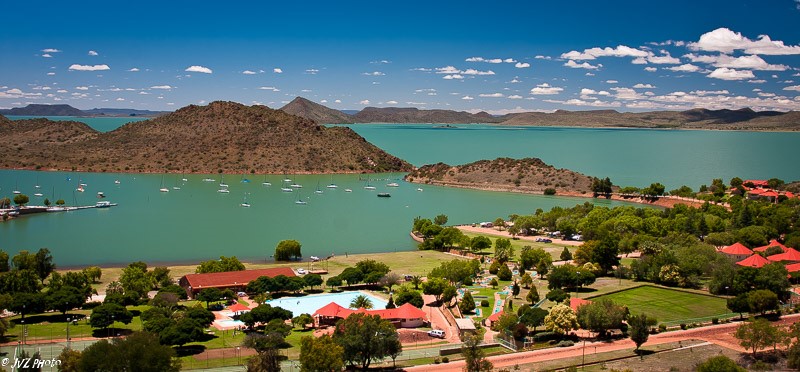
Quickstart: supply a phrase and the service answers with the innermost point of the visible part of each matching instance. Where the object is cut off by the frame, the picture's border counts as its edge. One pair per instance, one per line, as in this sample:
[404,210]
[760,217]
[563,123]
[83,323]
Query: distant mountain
[122,112]
[220,137]
[350,112]
[43,110]
[504,174]
[314,111]
[414,115]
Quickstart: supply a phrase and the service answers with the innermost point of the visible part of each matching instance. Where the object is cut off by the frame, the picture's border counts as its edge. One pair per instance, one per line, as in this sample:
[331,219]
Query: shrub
[565,343]
[683,325]
[662,327]
[545,336]
[714,320]
[549,191]
[484,303]
[436,360]
[445,360]
[761,366]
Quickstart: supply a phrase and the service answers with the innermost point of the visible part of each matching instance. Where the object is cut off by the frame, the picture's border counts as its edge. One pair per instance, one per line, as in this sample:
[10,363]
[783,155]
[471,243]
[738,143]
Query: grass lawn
[668,305]
[553,249]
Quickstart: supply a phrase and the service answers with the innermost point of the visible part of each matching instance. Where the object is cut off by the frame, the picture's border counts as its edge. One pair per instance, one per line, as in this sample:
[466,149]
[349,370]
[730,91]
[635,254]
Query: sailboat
[318,191]
[183,178]
[81,186]
[369,186]
[245,204]
[266,183]
[163,189]
[332,185]
[116,182]
[176,187]
[284,188]
[300,201]
[222,182]
[286,179]
[37,183]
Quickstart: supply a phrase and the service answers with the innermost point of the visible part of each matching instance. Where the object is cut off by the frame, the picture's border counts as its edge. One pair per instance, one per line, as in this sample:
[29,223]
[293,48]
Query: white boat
[208,180]
[104,204]
[393,184]
[83,184]
[302,202]
[296,186]
[16,192]
[332,186]
[80,189]
[369,186]
[245,204]
[176,187]
[38,194]
[286,189]
[185,179]
[100,194]
[419,189]
[348,190]
[116,182]
[224,191]
[266,183]
[163,189]
[223,185]
[318,190]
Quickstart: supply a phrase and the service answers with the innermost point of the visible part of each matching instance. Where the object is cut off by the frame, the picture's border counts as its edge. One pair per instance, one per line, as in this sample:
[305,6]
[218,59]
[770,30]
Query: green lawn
[668,305]
[552,248]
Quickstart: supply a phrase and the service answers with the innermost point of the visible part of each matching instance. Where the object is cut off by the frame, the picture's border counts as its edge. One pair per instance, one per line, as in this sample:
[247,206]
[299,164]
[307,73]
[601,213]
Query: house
[757,183]
[234,280]
[492,318]
[465,326]
[737,251]
[753,261]
[788,255]
[403,316]
[772,243]
[238,309]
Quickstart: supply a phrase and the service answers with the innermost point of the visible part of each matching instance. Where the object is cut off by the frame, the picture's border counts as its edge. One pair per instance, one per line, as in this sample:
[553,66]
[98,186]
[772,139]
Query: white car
[302,271]
[436,333]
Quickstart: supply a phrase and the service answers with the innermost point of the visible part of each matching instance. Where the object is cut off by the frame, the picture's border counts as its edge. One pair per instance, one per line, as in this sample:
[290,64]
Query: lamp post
[68,321]
[238,356]
[583,362]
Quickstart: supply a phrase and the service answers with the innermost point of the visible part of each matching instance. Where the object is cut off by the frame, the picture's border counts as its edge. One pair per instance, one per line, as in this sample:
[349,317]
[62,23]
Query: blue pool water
[310,304]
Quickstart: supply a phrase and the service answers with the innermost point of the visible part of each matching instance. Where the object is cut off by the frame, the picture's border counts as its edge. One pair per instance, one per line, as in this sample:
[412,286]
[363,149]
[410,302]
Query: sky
[499,57]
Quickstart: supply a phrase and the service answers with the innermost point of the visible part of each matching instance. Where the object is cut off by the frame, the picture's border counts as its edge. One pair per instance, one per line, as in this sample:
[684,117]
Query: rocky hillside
[414,115]
[504,174]
[310,110]
[43,110]
[222,136]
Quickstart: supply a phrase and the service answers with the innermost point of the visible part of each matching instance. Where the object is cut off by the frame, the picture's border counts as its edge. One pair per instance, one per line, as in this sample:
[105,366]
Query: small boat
[38,194]
[80,189]
[224,191]
[318,190]
[266,183]
[332,185]
[296,186]
[185,179]
[245,204]
[17,192]
[176,187]
[83,184]
[286,189]
[419,189]
[163,189]
[384,195]
[116,182]
[104,204]
[222,182]
[368,186]
[393,184]
[100,194]
[348,190]
[208,180]
[301,202]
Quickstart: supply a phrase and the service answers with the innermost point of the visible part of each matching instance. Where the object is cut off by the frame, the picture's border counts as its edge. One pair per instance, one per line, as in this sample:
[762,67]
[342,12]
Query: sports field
[668,305]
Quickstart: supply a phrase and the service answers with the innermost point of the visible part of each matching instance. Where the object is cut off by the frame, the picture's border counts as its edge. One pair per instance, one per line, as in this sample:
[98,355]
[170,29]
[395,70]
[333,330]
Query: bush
[91,305]
[761,366]
[683,326]
[662,327]
[436,360]
[549,191]
[565,343]
[545,336]
[445,360]
[484,303]
[714,320]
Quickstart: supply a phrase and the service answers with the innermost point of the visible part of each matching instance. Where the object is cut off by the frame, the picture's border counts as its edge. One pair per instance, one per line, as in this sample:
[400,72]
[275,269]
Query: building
[772,243]
[753,261]
[737,251]
[788,255]
[233,280]
[403,316]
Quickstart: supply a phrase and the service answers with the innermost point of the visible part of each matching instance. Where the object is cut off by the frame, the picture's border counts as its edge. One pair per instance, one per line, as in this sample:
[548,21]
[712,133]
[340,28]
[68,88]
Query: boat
[163,189]
[332,185]
[393,184]
[296,186]
[104,204]
[56,209]
[384,195]
[245,204]
[208,180]
[80,189]
[348,190]
[16,192]
[419,189]
[176,187]
[222,182]
[266,183]
[286,189]
[116,182]
[100,194]
[318,191]
[300,201]
[368,186]
[38,195]
[224,190]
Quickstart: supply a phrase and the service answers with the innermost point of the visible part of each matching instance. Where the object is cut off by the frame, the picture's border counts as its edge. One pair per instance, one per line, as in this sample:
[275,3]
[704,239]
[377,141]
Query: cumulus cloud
[453,77]
[467,98]
[586,65]
[374,73]
[200,69]
[515,96]
[392,102]
[612,81]
[51,74]
[277,70]
[664,59]
[650,69]
[337,101]
[491,95]
[725,73]
[161,87]
[82,88]
[381,62]
[471,71]
[270,88]
[594,53]
[77,67]
[312,71]
[726,41]
[522,65]
[248,72]
[757,81]
[134,70]
[364,102]
[50,50]
[643,86]
[752,62]
[543,57]
[626,94]
[795,88]
[47,55]
[447,70]
[92,53]
[546,89]
[582,102]
[688,67]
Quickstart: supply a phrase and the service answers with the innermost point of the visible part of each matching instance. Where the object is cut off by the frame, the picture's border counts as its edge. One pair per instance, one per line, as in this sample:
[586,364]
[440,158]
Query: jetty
[20,211]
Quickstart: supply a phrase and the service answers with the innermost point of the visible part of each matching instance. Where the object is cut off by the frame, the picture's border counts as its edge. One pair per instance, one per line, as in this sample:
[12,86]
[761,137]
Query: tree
[60,202]
[757,334]
[65,299]
[5,325]
[5,203]
[504,273]
[526,280]
[739,304]
[106,314]
[503,251]
[47,202]
[565,255]
[320,354]
[4,266]
[390,280]
[601,315]
[479,243]
[448,295]
[533,296]
[467,304]
[352,275]
[43,263]
[70,360]
[506,322]
[264,313]
[288,250]
[531,316]
[639,329]
[93,273]
[534,258]
[28,303]
[403,296]
[494,283]
[719,363]
[334,281]
[140,351]
[218,266]
[181,332]
[361,301]
[209,295]
[440,219]
[365,338]
[302,320]
[435,287]
[312,280]
[21,199]
[134,278]
[416,280]
[561,319]
[515,289]
[474,355]
[159,277]
[762,300]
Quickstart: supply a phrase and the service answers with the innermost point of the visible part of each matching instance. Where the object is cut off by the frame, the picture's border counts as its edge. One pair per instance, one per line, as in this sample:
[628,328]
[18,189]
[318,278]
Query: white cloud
[47,55]
[200,69]
[688,67]
[612,81]
[270,88]
[392,102]
[62,91]
[491,95]
[725,73]
[143,93]
[644,86]
[586,65]
[277,70]
[50,50]
[471,71]
[337,101]
[494,60]
[323,101]
[510,60]
[546,89]
[447,70]
[580,102]
[757,81]
[588,74]
[709,92]
[93,53]
[650,69]
[514,96]
[120,99]
[593,53]
[726,41]
[515,80]
[423,69]
[364,102]
[161,87]
[452,77]
[626,94]
[134,70]
[51,73]
[522,65]
[374,73]
[248,72]
[795,88]
[82,88]
[467,98]
[752,62]
[543,57]
[77,67]
[381,62]
[312,71]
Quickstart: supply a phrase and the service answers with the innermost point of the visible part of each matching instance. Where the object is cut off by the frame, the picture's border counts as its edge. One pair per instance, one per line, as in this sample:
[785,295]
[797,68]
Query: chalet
[403,316]
[234,280]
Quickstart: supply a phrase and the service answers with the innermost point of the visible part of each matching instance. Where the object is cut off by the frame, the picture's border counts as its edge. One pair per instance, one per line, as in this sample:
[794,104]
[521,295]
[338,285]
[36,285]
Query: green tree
[390,280]
[506,322]
[140,351]
[739,304]
[719,363]
[47,202]
[639,329]
[65,299]
[435,287]
[404,295]
[601,315]
[561,319]
[448,295]
[352,275]
[21,199]
[531,316]
[474,356]
[181,332]
[365,338]
[288,250]
[28,303]
[209,295]
[479,243]
[500,223]
[334,281]
[557,295]
[416,280]
[312,280]
[361,301]
[467,304]
[5,325]
[302,320]
[4,266]
[533,296]
[757,334]
[134,278]
[493,283]
[526,280]
[515,289]
[93,273]
[762,300]
[534,258]
[224,264]
[503,251]
[43,262]
[565,255]
[70,360]
[504,273]
[106,314]
[440,220]
[320,354]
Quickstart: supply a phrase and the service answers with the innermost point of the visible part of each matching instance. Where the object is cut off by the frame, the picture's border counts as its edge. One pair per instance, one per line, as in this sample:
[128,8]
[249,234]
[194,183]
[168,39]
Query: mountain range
[67,110]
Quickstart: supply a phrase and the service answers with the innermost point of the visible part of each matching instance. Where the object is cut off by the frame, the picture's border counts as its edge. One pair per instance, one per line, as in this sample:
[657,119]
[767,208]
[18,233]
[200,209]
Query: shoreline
[617,127]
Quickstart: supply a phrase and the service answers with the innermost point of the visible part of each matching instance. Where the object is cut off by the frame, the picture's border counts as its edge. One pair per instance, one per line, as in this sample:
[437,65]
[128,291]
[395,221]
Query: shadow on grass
[643,352]
[111,332]
[49,318]
[190,350]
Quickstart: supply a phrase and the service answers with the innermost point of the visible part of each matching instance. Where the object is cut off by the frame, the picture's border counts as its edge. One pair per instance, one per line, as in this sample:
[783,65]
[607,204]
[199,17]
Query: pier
[20,211]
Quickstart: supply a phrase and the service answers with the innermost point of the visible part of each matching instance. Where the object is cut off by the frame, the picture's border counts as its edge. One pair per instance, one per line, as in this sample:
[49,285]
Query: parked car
[241,294]
[544,240]
[436,333]
[302,271]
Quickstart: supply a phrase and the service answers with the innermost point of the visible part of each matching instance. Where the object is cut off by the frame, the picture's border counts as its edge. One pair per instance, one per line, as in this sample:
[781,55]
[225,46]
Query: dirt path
[505,234]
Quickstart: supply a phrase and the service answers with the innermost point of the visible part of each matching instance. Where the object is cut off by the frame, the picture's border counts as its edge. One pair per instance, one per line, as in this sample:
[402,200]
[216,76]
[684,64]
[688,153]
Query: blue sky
[498,56]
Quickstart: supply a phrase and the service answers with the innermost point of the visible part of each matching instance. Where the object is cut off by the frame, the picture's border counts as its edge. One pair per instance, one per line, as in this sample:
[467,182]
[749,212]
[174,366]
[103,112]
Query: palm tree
[416,280]
[361,301]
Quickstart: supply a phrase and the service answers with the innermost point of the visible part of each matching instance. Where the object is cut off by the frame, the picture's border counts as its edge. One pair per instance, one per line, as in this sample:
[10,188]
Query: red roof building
[757,183]
[753,261]
[793,268]
[405,315]
[575,303]
[789,254]
[736,249]
[235,280]
[493,318]
[772,243]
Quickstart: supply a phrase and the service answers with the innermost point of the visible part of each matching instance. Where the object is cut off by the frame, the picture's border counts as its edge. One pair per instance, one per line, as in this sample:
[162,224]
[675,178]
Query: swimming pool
[310,304]
[229,323]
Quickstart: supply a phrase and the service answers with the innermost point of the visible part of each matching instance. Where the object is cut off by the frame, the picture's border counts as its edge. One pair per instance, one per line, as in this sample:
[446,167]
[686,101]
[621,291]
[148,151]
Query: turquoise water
[198,223]
[102,124]
[310,304]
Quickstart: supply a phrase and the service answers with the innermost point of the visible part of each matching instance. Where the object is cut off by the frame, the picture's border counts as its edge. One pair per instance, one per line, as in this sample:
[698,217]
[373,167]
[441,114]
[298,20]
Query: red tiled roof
[772,243]
[753,261]
[494,317]
[757,182]
[736,249]
[770,194]
[793,268]
[575,303]
[789,254]
[238,307]
[404,311]
[233,278]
